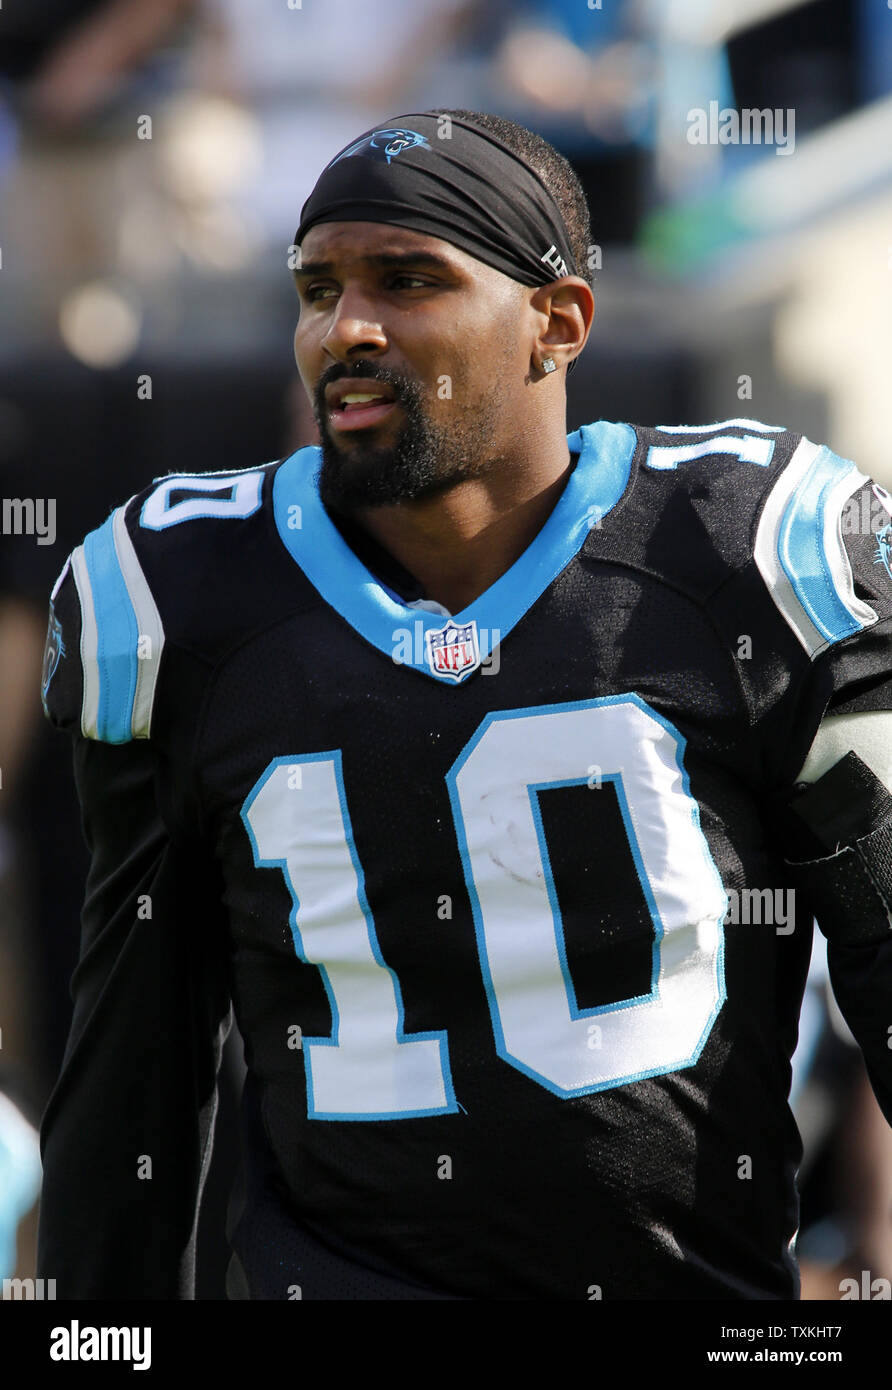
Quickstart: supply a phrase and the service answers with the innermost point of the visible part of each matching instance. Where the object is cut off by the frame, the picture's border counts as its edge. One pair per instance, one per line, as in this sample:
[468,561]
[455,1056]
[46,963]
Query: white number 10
[369,1069]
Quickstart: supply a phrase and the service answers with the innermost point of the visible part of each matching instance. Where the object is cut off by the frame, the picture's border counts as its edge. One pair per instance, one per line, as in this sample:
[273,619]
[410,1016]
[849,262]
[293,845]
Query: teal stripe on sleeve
[117,636]
[802,551]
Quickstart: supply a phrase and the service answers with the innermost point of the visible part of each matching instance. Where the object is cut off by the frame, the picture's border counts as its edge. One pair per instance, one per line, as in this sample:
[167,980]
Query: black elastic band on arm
[845,804]
[849,811]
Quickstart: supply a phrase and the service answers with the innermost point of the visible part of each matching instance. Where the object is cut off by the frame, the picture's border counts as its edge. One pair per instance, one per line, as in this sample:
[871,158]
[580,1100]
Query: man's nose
[354,325]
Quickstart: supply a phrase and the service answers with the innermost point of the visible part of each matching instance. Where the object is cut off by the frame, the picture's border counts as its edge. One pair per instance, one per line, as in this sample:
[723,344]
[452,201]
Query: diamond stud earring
[548,364]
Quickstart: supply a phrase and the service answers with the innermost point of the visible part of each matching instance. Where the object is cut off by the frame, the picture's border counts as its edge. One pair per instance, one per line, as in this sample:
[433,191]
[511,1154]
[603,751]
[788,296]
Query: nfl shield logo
[453,651]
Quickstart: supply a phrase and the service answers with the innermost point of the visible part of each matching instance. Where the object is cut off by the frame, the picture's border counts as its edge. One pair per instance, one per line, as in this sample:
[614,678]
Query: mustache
[403,387]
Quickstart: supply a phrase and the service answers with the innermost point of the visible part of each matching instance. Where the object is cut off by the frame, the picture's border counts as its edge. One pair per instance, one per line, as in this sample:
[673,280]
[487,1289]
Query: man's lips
[359,416]
[356,402]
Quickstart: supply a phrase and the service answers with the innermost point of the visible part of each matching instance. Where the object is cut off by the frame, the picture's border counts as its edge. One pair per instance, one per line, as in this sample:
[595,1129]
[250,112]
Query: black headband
[453,180]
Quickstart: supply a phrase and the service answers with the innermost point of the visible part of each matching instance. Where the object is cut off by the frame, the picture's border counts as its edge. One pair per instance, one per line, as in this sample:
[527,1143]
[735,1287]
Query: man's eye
[314,292]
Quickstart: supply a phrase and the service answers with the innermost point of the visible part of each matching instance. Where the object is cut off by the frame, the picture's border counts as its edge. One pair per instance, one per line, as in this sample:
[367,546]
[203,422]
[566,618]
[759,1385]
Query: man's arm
[867,733]
[127,1134]
[126,1138]
[844,817]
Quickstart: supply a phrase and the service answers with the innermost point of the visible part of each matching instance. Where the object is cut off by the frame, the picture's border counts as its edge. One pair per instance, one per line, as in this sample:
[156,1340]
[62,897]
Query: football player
[493,775]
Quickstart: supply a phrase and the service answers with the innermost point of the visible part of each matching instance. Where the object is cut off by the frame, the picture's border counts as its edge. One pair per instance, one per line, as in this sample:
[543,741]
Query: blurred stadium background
[154,157]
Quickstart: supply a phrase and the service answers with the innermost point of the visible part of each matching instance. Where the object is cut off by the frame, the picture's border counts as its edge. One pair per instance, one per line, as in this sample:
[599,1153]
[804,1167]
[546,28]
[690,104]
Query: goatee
[422,459]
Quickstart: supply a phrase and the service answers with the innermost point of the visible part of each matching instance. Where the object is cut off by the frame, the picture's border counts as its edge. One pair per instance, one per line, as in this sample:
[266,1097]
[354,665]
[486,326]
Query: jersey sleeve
[105,640]
[860,666]
[126,1137]
[127,1134]
[824,550]
[861,977]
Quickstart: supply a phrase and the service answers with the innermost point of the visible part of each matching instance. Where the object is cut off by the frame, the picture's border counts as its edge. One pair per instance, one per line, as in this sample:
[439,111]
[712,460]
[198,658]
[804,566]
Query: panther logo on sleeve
[53,653]
[884,535]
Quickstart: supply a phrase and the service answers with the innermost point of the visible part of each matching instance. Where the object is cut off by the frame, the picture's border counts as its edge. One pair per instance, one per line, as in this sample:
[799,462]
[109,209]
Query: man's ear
[567,308]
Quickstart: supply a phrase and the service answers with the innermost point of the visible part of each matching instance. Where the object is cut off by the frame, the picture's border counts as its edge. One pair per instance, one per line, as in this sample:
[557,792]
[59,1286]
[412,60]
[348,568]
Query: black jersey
[498,897]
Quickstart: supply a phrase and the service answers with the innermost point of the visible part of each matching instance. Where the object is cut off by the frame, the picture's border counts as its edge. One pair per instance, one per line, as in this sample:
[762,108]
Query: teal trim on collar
[594,487]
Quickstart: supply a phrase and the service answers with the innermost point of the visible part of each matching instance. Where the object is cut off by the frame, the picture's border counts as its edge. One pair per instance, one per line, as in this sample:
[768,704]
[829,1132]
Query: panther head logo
[391,141]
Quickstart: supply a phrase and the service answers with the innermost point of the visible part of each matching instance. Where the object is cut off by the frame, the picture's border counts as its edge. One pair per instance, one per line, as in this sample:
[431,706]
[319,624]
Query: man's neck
[459,543]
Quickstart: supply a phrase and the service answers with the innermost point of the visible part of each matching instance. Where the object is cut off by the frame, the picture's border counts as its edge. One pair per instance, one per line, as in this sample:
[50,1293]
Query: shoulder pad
[747,441]
[104,641]
[818,530]
[691,513]
[106,635]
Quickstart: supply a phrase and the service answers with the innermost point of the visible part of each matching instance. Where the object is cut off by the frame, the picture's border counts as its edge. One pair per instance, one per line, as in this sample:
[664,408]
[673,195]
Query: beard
[425,458]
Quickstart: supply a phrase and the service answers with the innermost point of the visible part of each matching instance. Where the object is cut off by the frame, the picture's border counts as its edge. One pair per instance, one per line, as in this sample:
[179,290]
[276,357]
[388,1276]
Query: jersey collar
[594,487]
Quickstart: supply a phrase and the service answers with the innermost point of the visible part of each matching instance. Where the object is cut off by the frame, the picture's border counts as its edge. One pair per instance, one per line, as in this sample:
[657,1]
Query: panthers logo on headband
[390,142]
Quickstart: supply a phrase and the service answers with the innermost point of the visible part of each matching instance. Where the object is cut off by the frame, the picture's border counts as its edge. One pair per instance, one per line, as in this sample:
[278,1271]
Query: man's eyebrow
[383,260]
